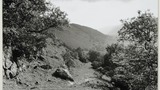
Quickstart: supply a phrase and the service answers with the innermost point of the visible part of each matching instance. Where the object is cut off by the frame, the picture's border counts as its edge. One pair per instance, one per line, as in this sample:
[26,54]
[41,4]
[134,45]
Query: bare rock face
[63,74]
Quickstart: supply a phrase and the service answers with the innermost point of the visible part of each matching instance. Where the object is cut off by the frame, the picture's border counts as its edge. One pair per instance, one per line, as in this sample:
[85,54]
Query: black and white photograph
[79,44]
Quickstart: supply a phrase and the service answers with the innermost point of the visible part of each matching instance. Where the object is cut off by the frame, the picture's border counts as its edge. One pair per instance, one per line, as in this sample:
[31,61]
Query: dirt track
[84,74]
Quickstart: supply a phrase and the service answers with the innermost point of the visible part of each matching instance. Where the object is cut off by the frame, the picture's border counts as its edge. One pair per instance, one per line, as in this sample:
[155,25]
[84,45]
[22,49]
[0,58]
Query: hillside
[81,36]
[37,74]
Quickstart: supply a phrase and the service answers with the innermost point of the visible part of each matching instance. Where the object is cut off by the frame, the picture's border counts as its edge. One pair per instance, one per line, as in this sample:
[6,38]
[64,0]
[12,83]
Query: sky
[100,14]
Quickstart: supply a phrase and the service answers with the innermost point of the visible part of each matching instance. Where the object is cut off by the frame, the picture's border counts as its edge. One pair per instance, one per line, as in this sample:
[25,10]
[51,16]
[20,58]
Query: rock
[104,77]
[7,63]
[63,74]
[64,66]
[8,74]
[13,70]
[46,66]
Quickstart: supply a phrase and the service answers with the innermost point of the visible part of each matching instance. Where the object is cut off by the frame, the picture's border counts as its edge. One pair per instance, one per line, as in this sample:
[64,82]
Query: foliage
[141,30]
[110,58]
[96,58]
[141,54]
[136,58]
[82,56]
[93,55]
[25,23]
[68,58]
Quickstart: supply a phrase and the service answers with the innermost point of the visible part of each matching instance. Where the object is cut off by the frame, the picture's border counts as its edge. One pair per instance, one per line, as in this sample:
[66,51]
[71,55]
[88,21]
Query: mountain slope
[81,36]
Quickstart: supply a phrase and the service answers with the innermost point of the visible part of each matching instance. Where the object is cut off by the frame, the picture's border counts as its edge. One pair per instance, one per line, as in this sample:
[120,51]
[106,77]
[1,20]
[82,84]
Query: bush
[68,59]
[96,64]
[82,56]
[71,60]
[112,55]
[94,56]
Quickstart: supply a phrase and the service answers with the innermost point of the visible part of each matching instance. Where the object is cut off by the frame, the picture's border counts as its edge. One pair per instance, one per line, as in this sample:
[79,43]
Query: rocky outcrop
[10,68]
[63,74]
[10,72]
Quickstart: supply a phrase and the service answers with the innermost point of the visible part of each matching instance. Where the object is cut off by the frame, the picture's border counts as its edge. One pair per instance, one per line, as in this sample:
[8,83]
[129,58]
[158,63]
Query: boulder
[63,74]
[14,69]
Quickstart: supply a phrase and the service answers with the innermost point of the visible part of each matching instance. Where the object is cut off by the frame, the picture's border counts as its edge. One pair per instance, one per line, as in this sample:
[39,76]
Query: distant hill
[76,36]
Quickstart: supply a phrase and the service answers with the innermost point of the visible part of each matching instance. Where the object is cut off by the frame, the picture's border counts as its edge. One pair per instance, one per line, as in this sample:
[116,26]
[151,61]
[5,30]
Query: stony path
[81,75]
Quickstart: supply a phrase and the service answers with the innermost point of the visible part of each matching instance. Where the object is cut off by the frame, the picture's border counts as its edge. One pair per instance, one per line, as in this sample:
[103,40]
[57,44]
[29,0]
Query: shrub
[82,56]
[94,56]
[68,59]
[112,55]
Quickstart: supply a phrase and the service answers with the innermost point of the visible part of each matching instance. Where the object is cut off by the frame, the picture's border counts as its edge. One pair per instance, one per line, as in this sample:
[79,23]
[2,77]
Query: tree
[25,24]
[142,33]
[141,30]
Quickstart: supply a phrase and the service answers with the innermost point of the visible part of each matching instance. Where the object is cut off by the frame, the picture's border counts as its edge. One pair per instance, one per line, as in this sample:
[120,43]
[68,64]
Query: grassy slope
[82,36]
